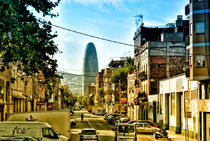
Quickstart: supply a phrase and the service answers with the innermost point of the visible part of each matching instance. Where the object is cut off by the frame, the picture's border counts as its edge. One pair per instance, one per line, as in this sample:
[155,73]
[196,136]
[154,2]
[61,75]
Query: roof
[88,129]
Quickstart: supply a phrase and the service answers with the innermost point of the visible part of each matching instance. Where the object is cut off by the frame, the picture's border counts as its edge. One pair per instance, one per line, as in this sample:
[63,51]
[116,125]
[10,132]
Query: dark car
[112,119]
[88,134]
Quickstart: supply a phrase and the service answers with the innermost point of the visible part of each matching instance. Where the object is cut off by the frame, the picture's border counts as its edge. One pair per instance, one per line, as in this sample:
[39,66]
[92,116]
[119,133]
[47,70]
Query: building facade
[99,97]
[199,47]
[178,95]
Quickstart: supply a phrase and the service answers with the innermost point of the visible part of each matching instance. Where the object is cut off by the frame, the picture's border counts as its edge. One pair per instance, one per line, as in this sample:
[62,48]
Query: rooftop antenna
[139,20]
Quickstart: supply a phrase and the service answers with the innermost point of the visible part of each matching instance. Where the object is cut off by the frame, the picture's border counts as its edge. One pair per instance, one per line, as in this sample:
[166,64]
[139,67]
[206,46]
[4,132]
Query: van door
[49,134]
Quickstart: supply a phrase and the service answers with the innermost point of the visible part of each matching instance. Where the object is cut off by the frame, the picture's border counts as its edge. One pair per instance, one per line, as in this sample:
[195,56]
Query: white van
[59,120]
[125,132]
[39,130]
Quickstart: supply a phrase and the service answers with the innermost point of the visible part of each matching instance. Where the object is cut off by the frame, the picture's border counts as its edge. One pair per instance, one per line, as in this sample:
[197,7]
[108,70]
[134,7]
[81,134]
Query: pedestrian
[82,116]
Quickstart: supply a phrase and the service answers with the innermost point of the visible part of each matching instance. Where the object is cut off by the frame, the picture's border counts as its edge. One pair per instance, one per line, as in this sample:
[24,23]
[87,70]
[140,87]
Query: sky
[110,19]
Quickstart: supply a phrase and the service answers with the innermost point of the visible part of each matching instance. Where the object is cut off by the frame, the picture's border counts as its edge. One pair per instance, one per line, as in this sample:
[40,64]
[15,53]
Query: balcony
[142,75]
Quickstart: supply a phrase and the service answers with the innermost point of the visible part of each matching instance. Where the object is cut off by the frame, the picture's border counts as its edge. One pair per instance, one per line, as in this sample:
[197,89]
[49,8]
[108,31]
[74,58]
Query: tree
[121,73]
[130,63]
[26,39]
[68,98]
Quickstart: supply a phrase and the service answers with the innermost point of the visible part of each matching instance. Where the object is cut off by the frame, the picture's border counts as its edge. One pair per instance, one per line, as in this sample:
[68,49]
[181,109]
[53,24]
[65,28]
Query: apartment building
[198,12]
[159,53]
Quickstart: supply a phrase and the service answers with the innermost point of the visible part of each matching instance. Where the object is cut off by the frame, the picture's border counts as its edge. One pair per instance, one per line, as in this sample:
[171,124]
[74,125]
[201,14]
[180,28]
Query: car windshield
[88,132]
[126,129]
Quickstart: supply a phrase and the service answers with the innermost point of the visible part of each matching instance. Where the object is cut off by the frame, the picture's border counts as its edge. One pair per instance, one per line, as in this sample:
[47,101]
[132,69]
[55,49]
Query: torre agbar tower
[90,66]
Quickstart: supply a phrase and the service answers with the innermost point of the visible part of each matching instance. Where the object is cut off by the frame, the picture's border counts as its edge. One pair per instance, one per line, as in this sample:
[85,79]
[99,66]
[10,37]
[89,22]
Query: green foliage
[86,100]
[27,39]
[130,63]
[68,98]
[121,73]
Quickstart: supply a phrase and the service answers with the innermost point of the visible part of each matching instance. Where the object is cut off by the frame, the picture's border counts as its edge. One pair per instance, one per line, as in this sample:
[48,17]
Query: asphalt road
[101,126]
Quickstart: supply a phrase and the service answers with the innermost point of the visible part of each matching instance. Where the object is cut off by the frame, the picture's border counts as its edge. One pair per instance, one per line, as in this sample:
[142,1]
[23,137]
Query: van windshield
[126,129]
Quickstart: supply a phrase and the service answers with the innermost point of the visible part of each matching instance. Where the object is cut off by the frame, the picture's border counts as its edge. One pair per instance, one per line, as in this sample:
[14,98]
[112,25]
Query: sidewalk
[178,137]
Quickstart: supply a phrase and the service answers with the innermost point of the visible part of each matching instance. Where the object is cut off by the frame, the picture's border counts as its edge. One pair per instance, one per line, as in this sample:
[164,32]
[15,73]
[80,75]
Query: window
[139,125]
[200,61]
[147,126]
[199,27]
[49,133]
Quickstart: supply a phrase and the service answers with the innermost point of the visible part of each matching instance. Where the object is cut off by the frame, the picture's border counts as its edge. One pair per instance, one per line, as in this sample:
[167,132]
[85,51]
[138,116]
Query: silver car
[144,128]
[89,134]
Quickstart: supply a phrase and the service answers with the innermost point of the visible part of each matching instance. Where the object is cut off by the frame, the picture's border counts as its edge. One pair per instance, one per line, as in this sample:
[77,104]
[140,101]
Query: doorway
[1,112]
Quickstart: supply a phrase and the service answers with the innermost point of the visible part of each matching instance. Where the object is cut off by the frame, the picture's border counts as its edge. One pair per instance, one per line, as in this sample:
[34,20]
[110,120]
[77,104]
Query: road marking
[89,123]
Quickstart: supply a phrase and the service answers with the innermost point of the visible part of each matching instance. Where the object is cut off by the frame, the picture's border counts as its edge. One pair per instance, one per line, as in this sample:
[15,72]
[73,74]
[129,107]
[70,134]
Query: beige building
[20,93]
[99,100]
[178,105]
[199,67]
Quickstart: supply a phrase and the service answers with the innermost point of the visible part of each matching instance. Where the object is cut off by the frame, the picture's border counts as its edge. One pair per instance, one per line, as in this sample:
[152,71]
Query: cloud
[118,4]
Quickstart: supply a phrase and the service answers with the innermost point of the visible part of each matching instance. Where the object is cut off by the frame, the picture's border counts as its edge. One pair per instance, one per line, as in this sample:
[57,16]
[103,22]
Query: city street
[101,126]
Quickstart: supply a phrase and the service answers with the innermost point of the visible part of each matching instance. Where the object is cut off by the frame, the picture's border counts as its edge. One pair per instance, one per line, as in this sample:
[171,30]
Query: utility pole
[120,97]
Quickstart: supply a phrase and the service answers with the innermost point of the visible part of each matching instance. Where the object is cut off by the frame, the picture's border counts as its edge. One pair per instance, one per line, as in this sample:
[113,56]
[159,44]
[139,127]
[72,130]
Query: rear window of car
[126,129]
[88,132]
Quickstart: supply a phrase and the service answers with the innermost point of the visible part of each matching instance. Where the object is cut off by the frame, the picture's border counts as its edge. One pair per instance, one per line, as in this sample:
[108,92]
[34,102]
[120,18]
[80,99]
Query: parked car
[112,119]
[100,112]
[148,122]
[88,134]
[124,131]
[143,121]
[132,122]
[106,116]
[144,128]
[124,119]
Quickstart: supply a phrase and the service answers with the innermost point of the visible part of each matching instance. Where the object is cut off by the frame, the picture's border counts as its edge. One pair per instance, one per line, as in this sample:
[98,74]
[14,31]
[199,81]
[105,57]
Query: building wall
[199,39]
[175,90]
[131,95]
